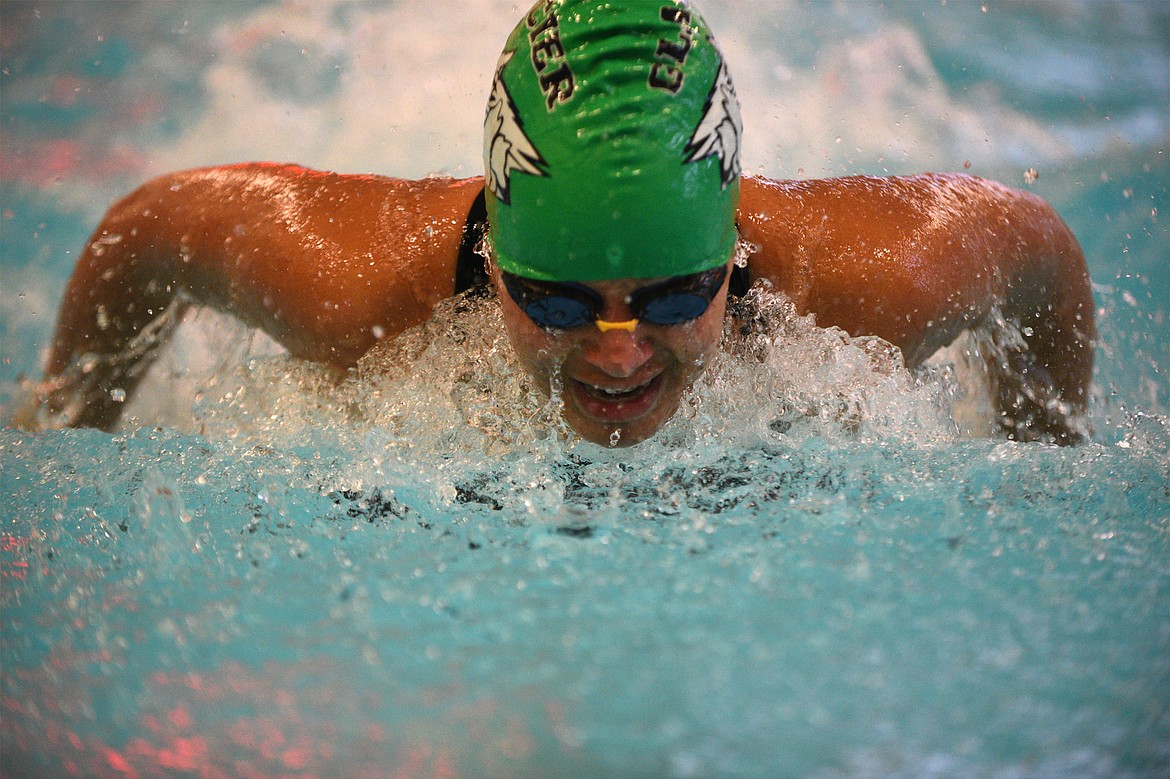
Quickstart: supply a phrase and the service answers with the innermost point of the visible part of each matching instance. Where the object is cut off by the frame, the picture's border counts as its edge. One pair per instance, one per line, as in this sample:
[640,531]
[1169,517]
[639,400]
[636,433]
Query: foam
[438,402]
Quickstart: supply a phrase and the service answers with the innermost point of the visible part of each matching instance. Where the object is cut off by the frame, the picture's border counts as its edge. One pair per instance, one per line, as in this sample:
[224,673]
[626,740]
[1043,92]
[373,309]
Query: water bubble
[743,252]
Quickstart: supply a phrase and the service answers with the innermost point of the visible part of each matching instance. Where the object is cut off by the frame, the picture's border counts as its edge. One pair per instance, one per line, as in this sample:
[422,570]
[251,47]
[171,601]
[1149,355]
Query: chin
[629,432]
[626,437]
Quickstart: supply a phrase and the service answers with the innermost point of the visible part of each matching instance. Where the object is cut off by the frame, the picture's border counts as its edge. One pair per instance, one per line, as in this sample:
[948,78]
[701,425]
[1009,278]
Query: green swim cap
[611,144]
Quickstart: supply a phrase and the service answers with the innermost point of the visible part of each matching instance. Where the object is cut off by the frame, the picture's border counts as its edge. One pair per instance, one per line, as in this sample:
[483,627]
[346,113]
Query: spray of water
[445,415]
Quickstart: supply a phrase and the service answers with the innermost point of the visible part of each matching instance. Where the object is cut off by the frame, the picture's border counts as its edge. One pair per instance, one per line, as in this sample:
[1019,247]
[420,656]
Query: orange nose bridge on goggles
[605,327]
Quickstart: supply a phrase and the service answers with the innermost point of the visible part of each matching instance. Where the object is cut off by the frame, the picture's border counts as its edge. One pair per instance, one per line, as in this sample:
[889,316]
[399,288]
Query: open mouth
[617,404]
[605,394]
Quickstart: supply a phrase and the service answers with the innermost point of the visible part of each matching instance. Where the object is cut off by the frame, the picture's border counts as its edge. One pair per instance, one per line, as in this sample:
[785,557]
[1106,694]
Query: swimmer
[610,209]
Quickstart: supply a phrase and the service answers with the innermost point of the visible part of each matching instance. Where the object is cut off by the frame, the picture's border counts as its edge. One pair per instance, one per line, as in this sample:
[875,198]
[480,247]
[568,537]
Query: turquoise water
[813,572]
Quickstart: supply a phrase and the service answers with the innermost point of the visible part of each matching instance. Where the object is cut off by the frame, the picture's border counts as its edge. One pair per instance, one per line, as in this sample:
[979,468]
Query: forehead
[623,287]
[613,289]
[710,281]
[605,287]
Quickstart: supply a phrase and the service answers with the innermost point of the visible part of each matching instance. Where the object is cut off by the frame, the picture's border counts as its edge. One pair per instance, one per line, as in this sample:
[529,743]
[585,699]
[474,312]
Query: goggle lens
[564,305]
[674,309]
[559,312]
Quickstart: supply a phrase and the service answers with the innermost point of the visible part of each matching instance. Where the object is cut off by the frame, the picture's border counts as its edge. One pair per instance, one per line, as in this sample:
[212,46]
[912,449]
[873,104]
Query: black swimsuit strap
[469,267]
[739,284]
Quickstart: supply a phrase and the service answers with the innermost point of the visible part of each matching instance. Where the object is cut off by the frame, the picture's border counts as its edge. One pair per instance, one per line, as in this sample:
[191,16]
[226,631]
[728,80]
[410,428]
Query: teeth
[616,392]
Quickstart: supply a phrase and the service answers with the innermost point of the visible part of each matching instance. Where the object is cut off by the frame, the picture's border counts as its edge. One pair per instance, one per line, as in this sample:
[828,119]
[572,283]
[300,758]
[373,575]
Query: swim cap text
[668,74]
[548,55]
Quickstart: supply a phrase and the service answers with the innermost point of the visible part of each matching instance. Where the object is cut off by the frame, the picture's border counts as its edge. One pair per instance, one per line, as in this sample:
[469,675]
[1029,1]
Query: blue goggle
[558,305]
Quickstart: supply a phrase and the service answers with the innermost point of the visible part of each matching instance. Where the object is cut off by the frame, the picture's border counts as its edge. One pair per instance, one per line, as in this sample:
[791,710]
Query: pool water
[820,567]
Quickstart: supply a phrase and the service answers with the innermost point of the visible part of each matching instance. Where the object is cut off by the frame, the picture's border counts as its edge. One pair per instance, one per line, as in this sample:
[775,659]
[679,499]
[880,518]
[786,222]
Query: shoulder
[283,183]
[870,216]
[762,198]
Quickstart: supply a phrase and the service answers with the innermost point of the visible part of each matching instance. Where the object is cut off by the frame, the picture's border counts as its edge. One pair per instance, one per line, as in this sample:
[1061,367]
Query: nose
[617,352]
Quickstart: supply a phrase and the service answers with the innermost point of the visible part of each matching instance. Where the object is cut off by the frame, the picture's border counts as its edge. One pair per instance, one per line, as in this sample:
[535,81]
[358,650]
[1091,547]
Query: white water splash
[448,400]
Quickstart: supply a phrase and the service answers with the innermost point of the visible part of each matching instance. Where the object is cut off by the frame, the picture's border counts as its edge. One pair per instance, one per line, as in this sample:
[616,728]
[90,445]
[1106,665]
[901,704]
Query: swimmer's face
[621,382]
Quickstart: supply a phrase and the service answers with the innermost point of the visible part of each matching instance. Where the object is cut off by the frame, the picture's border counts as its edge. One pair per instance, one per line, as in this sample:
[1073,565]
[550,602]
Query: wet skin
[622,382]
[328,264]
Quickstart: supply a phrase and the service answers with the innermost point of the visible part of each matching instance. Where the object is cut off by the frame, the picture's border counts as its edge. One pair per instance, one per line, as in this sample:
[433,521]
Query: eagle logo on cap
[719,129]
[506,147]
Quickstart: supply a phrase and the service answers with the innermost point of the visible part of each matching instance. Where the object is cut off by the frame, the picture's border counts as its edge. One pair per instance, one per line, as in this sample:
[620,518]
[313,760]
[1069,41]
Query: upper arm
[328,264]
[917,260]
[914,260]
[325,263]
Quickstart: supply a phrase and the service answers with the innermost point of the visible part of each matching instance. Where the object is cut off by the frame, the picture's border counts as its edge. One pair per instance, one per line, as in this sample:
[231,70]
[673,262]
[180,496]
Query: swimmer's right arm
[326,264]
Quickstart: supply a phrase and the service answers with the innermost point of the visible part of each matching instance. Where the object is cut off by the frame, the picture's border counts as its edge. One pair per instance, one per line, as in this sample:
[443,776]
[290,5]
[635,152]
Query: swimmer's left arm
[917,260]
